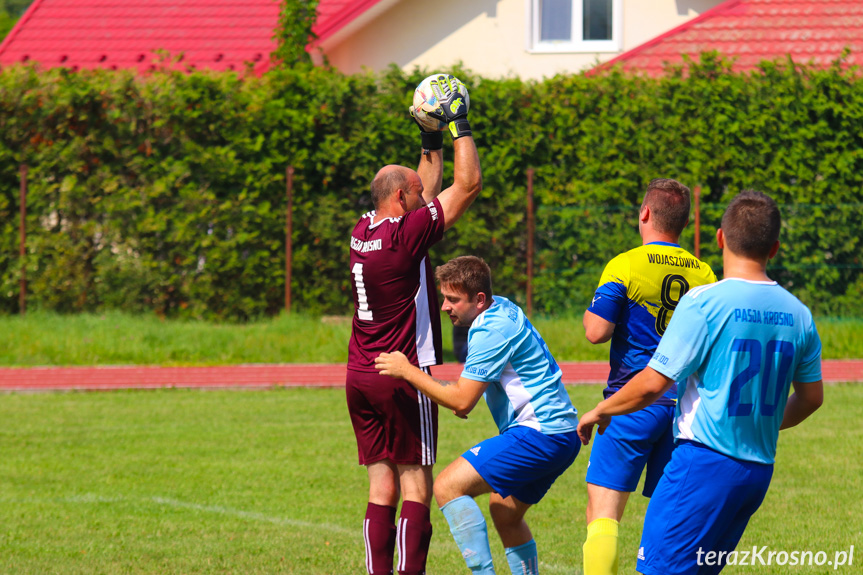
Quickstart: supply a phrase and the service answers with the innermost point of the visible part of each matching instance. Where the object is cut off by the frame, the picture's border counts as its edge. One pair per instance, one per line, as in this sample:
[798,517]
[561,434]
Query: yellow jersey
[638,292]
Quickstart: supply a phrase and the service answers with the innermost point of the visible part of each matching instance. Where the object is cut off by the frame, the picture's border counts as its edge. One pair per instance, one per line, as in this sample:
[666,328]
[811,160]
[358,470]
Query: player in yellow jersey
[636,297]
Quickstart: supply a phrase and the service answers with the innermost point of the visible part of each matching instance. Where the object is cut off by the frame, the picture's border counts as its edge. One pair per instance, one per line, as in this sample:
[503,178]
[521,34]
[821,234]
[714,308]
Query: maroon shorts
[391,420]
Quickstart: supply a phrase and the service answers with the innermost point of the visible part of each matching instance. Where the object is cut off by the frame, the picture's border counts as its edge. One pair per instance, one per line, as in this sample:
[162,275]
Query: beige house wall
[490,37]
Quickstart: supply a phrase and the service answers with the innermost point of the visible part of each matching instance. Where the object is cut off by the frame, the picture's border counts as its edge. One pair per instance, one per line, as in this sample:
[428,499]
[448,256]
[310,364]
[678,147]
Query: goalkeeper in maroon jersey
[396,309]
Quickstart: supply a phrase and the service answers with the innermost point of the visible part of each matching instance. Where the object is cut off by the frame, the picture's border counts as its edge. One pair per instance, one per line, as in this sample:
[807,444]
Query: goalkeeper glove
[453,106]
[431,140]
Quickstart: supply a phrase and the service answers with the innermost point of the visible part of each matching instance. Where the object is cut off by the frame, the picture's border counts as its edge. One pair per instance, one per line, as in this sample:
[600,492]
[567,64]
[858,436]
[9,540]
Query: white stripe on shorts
[426,426]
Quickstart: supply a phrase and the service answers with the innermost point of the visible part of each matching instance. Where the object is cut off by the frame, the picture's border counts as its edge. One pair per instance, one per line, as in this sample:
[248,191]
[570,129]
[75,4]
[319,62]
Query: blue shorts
[523,462]
[702,504]
[632,441]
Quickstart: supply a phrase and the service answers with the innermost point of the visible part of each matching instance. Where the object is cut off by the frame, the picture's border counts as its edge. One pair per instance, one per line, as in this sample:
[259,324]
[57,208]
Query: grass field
[41,339]
[263,482]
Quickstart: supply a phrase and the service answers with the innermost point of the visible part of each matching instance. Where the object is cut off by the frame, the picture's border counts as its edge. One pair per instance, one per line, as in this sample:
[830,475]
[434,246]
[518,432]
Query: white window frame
[576,45]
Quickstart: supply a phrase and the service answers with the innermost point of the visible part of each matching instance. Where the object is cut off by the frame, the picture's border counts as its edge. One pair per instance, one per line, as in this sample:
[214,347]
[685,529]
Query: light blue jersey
[735,347]
[525,387]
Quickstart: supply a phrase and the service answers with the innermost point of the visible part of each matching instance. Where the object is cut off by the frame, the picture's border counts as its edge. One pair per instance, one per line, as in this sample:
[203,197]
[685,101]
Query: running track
[278,375]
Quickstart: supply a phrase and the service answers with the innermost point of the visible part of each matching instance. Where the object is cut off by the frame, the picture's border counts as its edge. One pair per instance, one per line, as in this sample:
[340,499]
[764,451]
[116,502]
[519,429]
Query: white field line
[177,504]
[220,510]
[291,522]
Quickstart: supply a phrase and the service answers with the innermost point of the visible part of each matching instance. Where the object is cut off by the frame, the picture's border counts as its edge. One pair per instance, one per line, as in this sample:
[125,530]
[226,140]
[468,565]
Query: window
[575,25]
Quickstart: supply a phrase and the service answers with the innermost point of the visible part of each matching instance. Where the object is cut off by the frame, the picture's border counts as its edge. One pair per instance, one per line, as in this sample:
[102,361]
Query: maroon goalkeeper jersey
[395,300]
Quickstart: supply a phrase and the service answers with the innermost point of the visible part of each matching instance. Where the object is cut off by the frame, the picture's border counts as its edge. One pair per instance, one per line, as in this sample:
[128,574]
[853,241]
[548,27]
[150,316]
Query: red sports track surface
[282,375]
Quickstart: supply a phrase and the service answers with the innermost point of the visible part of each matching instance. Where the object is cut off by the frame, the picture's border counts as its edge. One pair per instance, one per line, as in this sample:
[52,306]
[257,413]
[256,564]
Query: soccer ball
[425,100]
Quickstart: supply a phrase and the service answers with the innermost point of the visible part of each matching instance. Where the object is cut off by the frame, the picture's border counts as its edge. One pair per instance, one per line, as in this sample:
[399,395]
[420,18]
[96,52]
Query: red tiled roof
[753,30]
[333,15]
[212,34]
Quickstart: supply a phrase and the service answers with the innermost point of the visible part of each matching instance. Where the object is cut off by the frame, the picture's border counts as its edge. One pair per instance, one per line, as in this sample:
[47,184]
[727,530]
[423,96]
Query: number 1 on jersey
[363,311]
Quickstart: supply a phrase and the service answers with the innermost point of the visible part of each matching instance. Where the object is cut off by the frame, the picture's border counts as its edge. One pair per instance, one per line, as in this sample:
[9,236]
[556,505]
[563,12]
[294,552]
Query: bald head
[389,179]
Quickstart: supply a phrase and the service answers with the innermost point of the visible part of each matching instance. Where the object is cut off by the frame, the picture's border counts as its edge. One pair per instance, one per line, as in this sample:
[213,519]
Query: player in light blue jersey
[636,298]
[509,363]
[736,347]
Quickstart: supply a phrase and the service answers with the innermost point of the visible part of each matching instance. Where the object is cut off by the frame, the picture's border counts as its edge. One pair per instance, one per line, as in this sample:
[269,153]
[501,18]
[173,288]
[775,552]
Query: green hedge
[167,192]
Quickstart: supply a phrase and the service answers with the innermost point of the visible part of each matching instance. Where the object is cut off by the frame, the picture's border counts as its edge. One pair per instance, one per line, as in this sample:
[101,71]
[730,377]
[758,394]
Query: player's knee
[419,493]
[444,491]
[416,484]
[384,493]
[440,495]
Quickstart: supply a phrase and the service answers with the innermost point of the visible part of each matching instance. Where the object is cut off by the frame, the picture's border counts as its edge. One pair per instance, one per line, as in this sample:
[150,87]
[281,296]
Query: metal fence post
[698,222]
[22,250]
[289,226]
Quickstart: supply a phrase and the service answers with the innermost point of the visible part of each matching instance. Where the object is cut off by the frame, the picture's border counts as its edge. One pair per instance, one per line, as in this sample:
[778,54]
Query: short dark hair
[468,274]
[751,224]
[668,201]
[385,183]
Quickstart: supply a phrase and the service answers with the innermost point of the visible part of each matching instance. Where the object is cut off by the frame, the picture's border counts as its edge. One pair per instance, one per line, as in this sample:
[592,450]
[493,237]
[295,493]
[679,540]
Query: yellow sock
[600,547]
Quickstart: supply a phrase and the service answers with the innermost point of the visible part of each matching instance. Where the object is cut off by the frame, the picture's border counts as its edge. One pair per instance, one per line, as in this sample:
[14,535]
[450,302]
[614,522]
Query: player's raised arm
[430,168]
[467,183]
[467,177]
